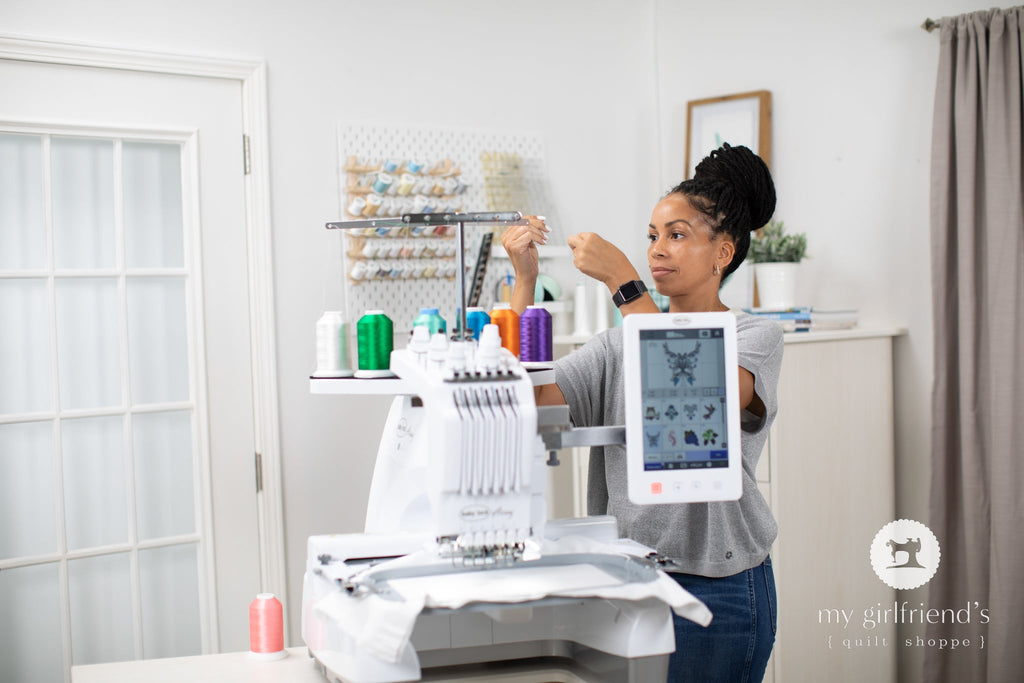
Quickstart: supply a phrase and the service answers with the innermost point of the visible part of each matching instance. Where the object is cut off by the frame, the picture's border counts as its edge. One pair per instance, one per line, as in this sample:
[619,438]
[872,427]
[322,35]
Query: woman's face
[683,251]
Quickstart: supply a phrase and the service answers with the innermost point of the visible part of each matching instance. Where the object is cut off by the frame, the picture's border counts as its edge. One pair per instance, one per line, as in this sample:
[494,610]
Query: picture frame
[741,119]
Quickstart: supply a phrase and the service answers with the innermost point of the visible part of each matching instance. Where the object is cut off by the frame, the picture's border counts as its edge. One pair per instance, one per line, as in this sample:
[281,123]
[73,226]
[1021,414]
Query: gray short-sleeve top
[709,539]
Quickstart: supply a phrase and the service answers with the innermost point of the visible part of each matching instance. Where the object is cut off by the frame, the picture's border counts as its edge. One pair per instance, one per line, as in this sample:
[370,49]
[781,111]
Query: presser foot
[498,555]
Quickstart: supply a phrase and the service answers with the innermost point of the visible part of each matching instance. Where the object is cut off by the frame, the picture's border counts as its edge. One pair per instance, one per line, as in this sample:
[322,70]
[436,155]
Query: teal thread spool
[431,318]
[375,334]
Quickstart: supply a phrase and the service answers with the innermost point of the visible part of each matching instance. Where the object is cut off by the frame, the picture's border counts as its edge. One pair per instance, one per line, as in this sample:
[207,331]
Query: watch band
[628,291]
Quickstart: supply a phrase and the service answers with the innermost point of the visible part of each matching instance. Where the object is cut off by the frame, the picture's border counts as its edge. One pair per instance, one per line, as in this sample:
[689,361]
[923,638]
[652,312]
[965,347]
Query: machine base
[590,616]
[533,662]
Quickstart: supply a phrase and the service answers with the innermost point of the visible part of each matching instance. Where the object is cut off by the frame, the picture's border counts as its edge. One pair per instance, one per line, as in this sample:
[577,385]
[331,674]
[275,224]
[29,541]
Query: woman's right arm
[520,243]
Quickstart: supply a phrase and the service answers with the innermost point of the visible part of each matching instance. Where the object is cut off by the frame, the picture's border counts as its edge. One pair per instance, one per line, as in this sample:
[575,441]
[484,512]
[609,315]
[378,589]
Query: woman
[699,234]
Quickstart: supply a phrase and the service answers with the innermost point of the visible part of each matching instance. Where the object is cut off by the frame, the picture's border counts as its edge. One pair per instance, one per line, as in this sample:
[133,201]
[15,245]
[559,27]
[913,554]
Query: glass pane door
[101,542]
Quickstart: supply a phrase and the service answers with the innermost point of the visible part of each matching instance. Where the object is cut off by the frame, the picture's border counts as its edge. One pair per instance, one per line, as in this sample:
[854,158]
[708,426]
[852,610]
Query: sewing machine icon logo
[905,554]
[911,546]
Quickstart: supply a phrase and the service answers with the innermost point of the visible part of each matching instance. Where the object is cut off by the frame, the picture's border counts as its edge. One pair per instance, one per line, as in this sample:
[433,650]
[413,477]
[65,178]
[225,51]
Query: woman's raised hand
[600,259]
[520,242]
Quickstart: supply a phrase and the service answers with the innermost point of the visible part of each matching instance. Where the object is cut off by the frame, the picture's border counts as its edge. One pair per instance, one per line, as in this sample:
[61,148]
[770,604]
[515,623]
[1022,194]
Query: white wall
[606,85]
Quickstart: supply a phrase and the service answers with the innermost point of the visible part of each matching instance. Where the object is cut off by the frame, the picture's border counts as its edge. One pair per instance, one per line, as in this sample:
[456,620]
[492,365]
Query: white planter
[776,285]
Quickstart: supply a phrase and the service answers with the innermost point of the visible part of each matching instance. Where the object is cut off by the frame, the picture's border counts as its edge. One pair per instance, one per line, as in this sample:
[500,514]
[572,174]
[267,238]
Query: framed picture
[743,119]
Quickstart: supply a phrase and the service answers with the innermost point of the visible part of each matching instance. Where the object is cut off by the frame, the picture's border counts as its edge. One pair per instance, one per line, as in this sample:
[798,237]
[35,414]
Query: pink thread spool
[266,627]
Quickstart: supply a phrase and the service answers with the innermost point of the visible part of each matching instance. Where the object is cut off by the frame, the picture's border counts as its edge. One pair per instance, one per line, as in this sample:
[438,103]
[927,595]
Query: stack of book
[833,319]
[807,318]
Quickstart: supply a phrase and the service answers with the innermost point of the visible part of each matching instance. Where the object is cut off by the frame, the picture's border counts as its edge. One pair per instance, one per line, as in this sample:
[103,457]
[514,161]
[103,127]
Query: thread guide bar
[503,217]
[458,220]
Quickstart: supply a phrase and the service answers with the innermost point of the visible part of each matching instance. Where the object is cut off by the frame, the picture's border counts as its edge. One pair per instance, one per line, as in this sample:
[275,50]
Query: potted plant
[775,256]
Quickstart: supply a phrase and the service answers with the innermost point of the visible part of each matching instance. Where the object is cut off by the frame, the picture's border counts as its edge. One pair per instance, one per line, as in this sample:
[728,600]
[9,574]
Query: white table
[297,667]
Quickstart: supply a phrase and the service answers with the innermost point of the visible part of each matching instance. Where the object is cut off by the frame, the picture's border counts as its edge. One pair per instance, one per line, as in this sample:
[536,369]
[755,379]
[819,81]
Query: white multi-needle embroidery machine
[458,568]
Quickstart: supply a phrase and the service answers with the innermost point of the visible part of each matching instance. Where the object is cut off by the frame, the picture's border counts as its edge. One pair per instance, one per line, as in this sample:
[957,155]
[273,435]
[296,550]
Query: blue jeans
[735,647]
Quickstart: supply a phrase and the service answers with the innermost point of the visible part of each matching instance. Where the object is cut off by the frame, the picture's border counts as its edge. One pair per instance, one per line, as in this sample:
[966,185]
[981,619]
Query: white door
[128,502]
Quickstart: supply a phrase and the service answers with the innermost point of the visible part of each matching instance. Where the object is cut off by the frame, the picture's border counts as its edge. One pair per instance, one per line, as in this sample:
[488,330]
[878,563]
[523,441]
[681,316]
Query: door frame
[251,75]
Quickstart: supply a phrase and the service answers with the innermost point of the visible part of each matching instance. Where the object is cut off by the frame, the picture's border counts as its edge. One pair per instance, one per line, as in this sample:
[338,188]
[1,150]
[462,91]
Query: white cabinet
[829,472]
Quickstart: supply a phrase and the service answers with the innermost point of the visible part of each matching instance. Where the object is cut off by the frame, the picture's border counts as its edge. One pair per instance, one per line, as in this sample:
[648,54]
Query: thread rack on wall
[387,171]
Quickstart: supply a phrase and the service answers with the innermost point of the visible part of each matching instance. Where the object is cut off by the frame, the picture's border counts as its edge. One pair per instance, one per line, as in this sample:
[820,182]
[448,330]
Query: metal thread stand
[459,220]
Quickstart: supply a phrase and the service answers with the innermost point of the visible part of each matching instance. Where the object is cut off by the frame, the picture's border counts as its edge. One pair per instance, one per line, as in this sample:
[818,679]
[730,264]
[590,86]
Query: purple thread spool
[535,337]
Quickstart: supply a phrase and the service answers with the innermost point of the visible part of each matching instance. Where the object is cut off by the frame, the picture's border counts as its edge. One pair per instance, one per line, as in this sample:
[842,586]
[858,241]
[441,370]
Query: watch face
[629,291]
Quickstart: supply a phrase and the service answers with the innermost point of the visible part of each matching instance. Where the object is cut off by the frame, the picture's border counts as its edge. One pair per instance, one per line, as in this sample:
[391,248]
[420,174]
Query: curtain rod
[930,25]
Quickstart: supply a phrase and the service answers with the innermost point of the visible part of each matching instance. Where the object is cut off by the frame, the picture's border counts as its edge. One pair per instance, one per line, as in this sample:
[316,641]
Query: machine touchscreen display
[683,392]
[681,375]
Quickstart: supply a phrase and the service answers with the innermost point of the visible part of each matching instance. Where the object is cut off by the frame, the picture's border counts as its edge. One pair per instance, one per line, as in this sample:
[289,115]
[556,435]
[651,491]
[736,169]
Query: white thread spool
[332,346]
[581,312]
[601,299]
[357,206]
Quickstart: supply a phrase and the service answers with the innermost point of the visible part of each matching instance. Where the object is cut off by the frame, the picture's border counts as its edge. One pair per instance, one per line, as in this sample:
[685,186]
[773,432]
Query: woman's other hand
[520,243]
[600,259]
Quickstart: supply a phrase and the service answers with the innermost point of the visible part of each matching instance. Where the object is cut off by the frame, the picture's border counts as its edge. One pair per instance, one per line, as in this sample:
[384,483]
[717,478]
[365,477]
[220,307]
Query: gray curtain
[977,252]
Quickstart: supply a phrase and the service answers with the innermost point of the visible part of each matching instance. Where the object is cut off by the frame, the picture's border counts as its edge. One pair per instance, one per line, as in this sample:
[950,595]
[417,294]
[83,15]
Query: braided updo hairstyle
[733,188]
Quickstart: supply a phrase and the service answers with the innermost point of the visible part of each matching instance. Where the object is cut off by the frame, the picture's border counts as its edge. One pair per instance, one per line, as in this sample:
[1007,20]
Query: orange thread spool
[266,627]
[507,321]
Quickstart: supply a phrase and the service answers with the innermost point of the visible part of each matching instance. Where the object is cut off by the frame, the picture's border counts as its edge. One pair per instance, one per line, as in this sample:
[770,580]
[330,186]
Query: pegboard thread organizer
[400,285]
[393,187]
[401,253]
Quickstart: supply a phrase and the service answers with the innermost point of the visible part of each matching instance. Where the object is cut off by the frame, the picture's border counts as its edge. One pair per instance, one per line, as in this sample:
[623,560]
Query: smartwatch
[629,291]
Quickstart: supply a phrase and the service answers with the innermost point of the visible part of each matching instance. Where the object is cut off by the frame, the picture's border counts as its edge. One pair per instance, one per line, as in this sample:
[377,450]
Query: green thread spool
[375,334]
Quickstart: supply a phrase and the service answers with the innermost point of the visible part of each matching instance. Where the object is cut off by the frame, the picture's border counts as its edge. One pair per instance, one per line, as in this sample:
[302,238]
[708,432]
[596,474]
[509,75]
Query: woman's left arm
[600,259]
